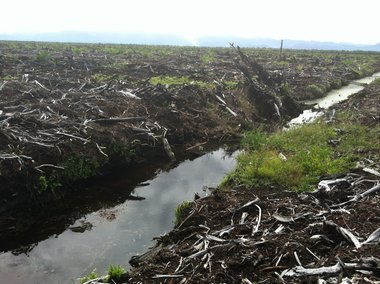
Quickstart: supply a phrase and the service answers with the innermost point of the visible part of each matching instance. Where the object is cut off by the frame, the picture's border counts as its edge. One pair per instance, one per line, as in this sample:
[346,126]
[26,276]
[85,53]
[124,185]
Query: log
[114,120]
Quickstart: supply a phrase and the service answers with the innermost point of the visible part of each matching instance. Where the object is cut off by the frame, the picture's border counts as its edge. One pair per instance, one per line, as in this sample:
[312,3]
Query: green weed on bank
[297,158]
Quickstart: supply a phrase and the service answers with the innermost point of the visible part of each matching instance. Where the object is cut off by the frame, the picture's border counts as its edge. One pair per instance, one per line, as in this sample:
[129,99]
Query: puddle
[113,235]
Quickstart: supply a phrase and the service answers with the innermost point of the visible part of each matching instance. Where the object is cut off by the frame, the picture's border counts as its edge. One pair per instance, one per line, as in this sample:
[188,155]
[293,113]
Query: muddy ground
[71,112]
[272,235]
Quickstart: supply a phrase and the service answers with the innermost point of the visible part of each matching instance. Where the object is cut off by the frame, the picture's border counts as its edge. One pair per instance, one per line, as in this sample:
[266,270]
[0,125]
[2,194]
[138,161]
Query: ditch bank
[251,233]
[69,118]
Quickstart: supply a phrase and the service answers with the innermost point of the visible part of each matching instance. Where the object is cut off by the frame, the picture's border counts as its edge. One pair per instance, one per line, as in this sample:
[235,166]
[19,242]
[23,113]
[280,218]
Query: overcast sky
[321,20]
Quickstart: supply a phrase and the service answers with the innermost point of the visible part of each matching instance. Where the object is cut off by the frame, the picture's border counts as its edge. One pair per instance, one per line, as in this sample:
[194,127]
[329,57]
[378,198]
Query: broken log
[114,120]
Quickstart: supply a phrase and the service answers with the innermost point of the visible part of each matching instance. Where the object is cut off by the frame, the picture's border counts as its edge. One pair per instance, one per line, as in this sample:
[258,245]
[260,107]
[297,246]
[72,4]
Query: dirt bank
[270,234]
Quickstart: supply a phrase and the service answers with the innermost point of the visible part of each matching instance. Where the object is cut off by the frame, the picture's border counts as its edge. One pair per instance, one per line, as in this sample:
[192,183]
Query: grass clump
[115,273]
[316,90]
[298,158]
[88,277]
[181,210]
[170,80]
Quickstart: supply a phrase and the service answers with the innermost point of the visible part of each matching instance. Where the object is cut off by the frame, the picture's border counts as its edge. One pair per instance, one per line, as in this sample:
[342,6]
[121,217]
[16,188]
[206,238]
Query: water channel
[113,232]
[332,97]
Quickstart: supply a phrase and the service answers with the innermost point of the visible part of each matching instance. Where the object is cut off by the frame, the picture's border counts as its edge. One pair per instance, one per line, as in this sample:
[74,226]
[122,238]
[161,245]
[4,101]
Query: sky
[320,20]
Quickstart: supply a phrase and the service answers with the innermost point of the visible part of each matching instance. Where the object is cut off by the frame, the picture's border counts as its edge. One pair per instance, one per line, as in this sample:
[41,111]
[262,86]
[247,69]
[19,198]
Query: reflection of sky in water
[333,97]
[71,254]
[336,96]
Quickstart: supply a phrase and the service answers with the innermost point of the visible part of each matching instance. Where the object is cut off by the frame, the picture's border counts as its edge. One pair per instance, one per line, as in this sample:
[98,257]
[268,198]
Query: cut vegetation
[255,229]
[70,113]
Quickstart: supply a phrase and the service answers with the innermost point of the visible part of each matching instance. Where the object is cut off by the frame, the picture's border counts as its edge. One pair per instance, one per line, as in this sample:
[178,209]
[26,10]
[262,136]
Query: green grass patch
[209,57]
[230,84]
[115,272]
[100,78]
[88,277]
[299,157]
[170,80]
[181,210]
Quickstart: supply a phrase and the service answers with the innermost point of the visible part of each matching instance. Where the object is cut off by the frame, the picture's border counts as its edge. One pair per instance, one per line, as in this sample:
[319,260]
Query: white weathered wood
[256,228]
[373,238]
[168,149]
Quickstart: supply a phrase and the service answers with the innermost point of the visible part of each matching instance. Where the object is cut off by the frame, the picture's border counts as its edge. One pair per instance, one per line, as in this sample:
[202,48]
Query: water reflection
[118,232]
[333,97]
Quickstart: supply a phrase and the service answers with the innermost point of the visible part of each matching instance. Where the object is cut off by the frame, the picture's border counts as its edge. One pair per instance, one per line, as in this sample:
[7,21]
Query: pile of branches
[42,125]
[330,235]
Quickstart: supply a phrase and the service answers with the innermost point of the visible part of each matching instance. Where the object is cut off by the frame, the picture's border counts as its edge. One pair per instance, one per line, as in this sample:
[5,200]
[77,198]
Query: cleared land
[69,113]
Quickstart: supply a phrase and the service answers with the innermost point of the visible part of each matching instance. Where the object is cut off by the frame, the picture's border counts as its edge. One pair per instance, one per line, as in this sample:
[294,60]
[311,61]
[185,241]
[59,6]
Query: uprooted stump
[268,92]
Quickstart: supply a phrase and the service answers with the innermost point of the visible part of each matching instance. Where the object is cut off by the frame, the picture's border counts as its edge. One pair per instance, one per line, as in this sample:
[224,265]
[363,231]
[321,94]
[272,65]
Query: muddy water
[332,97]
[114,234]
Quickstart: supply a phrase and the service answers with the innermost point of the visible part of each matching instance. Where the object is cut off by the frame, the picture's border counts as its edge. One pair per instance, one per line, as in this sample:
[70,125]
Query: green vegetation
[76,168]
[170,80]
[299,157]
[100,78]
[43,184]
[79,167]
[336,84]
[209,57]
[115,272]
[376,82]
[43,56]
[121,153]
[316,90]
[185,80]
[230,84]
[9,78]
[90,276]
[173,81]
[181,210]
